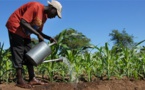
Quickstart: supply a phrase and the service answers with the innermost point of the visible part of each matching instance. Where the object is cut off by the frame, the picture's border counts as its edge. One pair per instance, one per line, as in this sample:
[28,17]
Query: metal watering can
[38,53]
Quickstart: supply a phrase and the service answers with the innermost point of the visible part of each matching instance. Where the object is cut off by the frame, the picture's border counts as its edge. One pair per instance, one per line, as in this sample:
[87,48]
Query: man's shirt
[33,13]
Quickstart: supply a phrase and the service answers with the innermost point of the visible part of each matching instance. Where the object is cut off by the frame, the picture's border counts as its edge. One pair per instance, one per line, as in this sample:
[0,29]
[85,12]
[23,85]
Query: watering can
[38,53]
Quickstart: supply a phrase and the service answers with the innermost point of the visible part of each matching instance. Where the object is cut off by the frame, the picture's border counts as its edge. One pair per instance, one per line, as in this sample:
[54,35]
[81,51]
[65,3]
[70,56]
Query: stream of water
[72,73]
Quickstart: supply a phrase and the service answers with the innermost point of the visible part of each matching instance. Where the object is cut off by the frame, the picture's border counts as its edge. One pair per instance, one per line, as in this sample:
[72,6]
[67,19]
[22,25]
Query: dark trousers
[19,46]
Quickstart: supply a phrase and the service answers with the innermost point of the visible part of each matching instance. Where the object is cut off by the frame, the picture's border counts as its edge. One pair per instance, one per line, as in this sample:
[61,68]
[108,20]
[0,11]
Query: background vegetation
[86,62]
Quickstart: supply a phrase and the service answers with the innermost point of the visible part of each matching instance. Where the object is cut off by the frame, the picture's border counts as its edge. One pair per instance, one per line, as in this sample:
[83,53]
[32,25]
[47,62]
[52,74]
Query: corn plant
[89,64]
[5,64]
[105,62]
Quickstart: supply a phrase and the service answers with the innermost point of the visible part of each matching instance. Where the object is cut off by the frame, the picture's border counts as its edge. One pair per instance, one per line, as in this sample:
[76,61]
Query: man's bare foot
[35,81]
[28,86]
[21,83]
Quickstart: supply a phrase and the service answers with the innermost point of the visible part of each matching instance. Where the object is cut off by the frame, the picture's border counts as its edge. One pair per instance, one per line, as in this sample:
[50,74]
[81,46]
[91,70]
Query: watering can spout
[52,43]
[54,60]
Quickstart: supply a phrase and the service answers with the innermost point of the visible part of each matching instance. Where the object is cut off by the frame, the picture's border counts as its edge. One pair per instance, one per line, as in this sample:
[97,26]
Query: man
[26,20]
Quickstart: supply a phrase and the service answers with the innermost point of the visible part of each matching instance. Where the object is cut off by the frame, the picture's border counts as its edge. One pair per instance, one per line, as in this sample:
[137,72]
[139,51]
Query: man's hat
[56,5]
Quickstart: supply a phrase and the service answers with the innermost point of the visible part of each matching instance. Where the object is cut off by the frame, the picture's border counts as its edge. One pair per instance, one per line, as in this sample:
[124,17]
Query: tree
[122,38]
[70,39]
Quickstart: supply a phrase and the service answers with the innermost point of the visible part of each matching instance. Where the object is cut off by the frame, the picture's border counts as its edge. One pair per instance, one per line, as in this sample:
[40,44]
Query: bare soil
[96,85]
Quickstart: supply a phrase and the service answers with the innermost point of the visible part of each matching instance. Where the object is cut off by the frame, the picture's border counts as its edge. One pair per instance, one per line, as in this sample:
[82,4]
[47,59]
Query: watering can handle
[52,43]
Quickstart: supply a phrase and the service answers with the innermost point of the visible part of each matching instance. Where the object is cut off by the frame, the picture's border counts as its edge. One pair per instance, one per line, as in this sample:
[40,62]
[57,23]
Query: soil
[95,85]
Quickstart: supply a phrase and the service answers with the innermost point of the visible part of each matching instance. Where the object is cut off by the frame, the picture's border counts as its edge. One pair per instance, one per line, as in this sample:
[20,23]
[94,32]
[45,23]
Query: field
[96,85]
[119,68]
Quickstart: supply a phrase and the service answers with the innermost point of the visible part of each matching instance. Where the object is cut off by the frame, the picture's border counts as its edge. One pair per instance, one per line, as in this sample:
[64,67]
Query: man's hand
[40,37]
[52,40]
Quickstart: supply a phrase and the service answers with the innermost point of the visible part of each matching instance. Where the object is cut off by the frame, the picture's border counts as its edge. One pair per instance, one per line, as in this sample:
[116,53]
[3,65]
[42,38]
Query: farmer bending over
[28,19]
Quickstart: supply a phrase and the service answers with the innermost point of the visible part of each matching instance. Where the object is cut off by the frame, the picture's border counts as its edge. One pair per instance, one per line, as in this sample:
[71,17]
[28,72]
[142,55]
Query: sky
[93,18]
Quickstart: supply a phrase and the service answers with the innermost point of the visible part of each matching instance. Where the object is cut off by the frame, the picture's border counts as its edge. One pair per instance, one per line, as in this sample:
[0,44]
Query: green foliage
[122,38]
[6,70]
[70,39]
[119,61]
[73,39]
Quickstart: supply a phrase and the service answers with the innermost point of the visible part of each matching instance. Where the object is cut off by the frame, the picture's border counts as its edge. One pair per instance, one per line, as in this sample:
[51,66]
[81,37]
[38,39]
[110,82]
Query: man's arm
[48,37]
[27,26]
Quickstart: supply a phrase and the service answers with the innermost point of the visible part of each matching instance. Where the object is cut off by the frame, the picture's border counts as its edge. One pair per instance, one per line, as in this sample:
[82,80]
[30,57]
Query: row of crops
[97,62]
